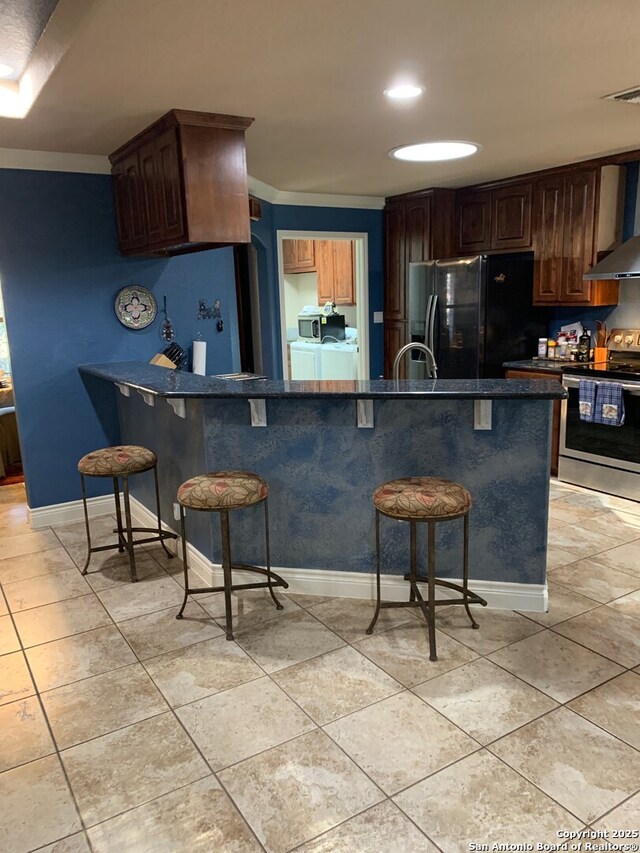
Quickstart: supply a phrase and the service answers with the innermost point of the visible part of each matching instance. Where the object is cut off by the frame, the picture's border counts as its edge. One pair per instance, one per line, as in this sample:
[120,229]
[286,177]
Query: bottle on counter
[551,348]
[584,346]
[542,347]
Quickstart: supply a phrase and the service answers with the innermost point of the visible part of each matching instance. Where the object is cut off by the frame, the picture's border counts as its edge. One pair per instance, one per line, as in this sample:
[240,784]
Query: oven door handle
[573,382]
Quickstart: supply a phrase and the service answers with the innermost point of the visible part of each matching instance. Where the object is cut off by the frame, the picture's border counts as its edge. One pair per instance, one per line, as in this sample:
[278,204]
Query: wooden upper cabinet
[565,218]
[162,189]
[473,221]
[418,229]
[181,185]
[496,219]
[579,235]
[395,245]
[336,272]
[511,217]
[299,256]
[548,239]
[128,203]
[344,278]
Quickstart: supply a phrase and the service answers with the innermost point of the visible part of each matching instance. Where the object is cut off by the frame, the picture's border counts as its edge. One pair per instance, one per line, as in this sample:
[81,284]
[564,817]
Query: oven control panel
[625,340]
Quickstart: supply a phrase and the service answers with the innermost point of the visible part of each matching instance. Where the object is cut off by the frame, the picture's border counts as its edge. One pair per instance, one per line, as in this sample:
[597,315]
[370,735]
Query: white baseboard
[67,513]
[498,594]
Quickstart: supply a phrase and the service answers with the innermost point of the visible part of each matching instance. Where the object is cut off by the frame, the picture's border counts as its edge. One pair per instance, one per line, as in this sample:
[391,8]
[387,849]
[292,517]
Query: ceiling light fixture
[428,152]
[404,92]
[5,70]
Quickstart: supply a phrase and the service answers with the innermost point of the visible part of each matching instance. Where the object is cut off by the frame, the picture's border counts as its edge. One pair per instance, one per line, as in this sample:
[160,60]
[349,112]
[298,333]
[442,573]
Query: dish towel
[587,399]
[609,404]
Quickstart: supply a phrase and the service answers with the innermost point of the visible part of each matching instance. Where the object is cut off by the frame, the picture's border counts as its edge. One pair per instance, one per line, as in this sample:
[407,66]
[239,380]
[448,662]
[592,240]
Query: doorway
[10,456]
[325,273]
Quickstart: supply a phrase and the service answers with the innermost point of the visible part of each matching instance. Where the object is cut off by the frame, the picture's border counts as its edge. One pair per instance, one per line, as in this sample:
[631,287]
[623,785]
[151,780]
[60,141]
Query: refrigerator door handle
[432,323]
[427,322]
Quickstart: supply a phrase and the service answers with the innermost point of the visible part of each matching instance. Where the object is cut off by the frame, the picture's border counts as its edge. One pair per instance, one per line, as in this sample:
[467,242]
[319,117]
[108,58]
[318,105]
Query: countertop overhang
[161,382]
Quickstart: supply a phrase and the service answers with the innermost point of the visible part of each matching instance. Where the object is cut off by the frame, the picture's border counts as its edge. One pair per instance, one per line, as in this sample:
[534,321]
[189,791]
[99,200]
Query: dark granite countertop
[543,365]
[172,383]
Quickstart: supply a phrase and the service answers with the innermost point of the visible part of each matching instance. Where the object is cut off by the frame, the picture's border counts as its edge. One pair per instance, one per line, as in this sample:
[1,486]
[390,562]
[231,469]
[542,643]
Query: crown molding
[97,164]
[268,193]
[54,161]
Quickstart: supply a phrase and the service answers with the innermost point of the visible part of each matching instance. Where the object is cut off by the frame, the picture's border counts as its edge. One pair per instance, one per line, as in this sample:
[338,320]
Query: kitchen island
[324,447]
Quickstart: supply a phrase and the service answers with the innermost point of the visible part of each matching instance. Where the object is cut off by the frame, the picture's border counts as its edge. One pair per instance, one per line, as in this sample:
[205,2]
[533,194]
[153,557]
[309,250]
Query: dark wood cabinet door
[579,234]
[395,336]
[511,217]
[555,422]
[418,229]
[128,201]
[344,273]
[170,186]
[395,263]
[473,222]
[161,189]
[548,240]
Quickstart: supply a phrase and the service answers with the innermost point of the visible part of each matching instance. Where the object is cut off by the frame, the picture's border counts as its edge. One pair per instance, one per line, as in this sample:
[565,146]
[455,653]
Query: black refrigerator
[474,314]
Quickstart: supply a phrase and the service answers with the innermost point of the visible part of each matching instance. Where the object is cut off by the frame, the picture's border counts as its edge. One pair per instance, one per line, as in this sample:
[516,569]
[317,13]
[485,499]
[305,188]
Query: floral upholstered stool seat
[431,500]
[223,492]
[120,463]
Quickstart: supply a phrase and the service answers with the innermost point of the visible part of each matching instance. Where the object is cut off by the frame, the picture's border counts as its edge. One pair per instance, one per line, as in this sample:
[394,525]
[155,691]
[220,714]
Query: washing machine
[305,360]
[338,360]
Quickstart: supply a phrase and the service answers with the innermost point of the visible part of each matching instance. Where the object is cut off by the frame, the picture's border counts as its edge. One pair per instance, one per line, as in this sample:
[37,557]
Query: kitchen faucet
[432,369]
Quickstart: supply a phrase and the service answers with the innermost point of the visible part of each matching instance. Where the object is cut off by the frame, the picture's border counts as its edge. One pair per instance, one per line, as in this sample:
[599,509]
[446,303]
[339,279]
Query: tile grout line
[350,645]
[60,763]
[176,718]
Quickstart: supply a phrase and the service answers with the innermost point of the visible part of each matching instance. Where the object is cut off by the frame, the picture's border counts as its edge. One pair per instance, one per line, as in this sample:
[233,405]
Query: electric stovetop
[616,372]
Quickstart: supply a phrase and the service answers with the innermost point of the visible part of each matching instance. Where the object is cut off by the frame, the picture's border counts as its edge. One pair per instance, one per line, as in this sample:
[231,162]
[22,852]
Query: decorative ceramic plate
[135,307]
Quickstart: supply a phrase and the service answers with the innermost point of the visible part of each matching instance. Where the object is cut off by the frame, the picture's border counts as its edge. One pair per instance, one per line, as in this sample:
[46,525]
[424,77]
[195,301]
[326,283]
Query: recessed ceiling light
[5,70]
[404,92]
[427,152]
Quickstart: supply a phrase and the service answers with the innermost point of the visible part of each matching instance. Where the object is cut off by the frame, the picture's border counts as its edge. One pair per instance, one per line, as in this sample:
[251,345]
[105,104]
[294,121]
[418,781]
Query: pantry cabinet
[181,185]
[418,227]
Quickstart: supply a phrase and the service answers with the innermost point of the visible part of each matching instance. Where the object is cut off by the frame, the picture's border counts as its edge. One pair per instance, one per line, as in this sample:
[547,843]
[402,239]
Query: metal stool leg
[376,614]
[412,560]
[226,570]
[183,533]
[116,494]
[127,517]
[86,522]
[465,572]
[431,575]
[268,554]
[155,480]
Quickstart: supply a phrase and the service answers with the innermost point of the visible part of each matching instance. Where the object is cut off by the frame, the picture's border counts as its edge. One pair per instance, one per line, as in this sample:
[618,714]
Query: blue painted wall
[294,218]
[60,270]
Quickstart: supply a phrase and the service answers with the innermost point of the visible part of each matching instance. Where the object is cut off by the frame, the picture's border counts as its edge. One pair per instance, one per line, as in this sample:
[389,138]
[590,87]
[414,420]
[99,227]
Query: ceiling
[524,79]
[21,25]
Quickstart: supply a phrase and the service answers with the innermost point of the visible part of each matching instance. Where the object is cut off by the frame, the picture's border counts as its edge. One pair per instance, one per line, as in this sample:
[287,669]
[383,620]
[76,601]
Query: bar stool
[120,463]
[430,500]
[223,492]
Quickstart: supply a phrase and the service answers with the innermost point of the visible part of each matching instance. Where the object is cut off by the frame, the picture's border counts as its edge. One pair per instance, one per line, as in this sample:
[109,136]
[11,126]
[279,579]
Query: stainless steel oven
[605,458]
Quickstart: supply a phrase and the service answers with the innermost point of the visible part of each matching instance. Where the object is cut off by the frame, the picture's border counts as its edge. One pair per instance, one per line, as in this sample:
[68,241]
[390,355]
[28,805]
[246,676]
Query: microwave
[316,327]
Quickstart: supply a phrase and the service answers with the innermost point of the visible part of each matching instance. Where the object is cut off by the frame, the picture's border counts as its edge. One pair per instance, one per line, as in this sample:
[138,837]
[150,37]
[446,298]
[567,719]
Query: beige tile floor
[123,730]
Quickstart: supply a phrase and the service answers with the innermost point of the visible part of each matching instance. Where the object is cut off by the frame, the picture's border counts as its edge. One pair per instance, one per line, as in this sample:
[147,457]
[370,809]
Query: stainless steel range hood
[623,262]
